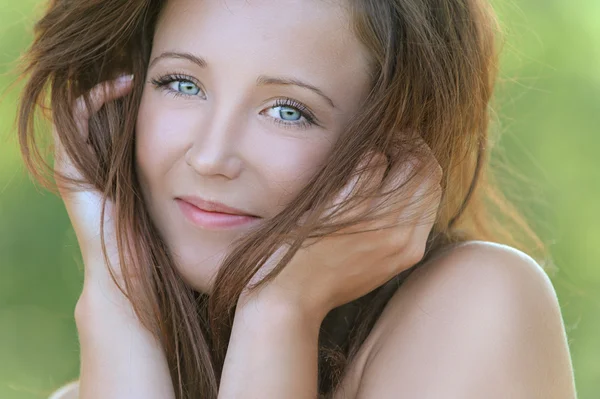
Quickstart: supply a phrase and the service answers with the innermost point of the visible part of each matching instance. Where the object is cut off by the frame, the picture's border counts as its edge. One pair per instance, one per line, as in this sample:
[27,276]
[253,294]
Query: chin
[197,273]
[199,280]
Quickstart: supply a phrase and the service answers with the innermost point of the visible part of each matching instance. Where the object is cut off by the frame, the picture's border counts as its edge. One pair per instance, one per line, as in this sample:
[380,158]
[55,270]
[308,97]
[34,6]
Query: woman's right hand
[83,202]
[120,357]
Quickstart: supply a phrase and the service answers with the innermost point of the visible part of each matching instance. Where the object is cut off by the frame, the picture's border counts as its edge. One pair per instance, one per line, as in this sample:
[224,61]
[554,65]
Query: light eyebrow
[201,62]
[271,80]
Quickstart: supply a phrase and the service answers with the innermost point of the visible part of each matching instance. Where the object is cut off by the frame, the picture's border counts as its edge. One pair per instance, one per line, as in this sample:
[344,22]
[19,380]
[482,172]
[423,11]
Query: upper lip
[212,206]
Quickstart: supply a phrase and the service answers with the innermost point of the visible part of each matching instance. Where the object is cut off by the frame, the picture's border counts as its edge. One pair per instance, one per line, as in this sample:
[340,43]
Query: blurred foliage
[548,113]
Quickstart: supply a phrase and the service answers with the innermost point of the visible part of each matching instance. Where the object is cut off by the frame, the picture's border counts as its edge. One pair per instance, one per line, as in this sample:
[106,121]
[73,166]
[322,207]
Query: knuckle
[439,171]
[408,250]
[80,109]
[415,252]
[87,103]
[392,242]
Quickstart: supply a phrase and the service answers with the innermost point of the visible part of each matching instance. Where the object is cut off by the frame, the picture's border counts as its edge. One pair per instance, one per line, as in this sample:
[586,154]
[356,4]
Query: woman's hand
[84,203]
[120,358]
[273,349]
[339,268]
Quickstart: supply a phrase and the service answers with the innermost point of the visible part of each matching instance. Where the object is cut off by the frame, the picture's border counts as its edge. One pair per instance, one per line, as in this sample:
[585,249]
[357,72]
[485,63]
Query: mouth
[213,216]
[212,206]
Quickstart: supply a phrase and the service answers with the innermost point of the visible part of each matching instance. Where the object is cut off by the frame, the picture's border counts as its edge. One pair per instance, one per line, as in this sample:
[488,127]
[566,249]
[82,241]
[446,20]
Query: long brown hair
[433,65]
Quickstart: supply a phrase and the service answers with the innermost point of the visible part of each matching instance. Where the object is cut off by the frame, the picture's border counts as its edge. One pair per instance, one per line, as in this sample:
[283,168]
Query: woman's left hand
[338,268]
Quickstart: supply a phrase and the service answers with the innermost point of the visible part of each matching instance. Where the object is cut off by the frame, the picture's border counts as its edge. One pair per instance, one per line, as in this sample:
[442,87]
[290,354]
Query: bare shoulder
[479,320]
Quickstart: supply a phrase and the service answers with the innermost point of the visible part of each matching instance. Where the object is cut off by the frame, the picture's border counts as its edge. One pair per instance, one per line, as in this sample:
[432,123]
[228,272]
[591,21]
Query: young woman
[295,201]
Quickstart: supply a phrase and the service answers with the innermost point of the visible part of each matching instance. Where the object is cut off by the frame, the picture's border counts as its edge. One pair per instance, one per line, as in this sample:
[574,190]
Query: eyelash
[162,83]
[304,111]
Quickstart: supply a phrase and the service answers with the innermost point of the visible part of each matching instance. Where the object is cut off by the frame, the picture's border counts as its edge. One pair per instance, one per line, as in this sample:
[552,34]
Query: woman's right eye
[178,85]
[184,87]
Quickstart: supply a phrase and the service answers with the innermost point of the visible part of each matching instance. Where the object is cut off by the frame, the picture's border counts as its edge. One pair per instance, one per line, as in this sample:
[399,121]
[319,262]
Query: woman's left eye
[285,113]
[290,113]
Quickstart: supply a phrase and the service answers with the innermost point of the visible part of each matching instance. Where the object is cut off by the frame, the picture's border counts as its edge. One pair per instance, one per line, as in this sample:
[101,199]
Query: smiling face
[243,102]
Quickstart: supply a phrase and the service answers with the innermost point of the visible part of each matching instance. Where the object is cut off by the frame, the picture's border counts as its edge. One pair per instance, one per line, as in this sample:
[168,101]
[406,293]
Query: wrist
[99,302]
[269,303]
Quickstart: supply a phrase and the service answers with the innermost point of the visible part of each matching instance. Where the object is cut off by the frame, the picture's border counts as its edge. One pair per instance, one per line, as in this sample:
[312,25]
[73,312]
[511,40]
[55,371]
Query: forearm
[272,354]
[119,357]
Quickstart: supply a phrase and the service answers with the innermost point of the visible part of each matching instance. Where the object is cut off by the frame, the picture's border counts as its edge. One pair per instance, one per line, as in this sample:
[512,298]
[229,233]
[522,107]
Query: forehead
[293,36]
[297,22]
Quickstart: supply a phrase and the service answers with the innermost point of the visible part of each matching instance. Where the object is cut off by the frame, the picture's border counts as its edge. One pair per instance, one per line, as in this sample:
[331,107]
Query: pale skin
[480,320]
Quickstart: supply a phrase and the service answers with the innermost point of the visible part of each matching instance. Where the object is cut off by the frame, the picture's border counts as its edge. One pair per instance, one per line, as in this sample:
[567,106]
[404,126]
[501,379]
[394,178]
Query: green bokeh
[548,106]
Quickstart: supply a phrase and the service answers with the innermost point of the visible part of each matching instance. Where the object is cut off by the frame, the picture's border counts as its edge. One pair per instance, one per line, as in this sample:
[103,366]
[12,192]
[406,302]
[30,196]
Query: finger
[427,196]
[427,202]
[431,167]
[420,234]
[82,110]
[421,165]
[406,187]
[100,94]
[367,177]
[398,189]
[409,242]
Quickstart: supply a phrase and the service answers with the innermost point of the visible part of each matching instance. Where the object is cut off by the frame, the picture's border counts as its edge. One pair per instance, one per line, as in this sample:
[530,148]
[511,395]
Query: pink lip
[210,206]
[211,219]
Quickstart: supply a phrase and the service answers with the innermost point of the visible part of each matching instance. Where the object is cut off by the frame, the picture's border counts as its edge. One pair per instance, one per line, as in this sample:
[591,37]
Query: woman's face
[243,102]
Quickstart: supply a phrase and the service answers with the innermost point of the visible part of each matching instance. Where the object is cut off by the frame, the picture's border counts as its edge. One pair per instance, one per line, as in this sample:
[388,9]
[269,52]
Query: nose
[213,150]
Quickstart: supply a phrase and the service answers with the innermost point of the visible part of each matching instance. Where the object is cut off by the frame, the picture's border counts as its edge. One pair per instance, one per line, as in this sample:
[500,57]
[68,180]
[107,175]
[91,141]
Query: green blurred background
[548,106]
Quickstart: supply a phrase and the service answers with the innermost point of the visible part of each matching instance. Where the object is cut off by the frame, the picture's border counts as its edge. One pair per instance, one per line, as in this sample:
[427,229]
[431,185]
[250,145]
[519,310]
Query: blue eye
[178,85]
[185,87]
[285,113]
[290,113]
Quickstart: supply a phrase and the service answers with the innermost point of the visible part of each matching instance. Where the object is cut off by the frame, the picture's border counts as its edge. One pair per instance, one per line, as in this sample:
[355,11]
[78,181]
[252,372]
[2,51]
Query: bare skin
[535,361]
[115,347]
[239,135]
[478,321]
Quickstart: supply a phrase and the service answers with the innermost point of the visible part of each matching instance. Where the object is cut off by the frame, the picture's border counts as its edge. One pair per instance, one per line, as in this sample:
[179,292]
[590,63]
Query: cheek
[289,166]
[159,140]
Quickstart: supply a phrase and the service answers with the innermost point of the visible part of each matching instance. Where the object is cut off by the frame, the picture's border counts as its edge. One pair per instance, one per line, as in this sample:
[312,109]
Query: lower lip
[213,220]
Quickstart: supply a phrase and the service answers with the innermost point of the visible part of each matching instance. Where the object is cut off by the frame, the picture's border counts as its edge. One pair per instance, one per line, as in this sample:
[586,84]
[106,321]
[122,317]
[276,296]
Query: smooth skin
[222,117]
[479,320]
[119,357]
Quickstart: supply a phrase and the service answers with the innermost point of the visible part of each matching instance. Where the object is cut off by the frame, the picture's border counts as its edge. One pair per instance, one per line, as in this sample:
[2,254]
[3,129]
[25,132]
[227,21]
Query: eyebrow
[270,80]
[261,81]
[201,62]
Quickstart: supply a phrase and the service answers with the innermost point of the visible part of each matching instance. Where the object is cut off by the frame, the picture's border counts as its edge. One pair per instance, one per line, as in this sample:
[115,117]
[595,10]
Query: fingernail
[125,78]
